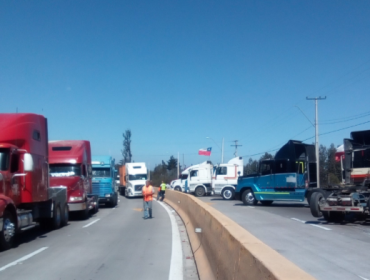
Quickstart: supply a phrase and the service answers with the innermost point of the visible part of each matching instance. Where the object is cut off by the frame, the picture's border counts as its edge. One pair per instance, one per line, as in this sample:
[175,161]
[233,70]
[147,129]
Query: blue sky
[175,72]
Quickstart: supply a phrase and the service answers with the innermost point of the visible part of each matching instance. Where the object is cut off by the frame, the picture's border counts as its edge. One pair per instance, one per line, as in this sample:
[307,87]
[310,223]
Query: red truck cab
[25,196]
[70,166]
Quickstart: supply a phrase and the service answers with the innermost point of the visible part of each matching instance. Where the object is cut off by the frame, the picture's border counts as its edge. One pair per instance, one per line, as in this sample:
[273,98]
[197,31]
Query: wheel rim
[9,229]
[227,194]
[199,191]
[250,197]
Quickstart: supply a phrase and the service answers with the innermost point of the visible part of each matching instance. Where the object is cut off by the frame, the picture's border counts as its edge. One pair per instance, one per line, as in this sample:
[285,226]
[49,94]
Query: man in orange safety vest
[148,192]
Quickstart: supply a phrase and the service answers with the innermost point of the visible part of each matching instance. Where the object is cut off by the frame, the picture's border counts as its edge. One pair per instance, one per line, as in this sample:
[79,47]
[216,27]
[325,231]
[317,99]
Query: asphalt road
[326,251]
[113,244]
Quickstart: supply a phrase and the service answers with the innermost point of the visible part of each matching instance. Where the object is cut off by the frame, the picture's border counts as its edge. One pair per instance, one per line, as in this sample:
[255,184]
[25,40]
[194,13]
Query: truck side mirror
[28,162]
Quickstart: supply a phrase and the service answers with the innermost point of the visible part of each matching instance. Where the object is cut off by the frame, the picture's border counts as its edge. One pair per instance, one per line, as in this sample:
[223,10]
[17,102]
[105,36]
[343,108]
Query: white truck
[225,177]
[135,177]
[206,178]
[200,179]
[179,184]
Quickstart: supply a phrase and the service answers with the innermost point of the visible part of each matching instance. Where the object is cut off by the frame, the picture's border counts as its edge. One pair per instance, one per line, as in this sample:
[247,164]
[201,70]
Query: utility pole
[317,137]
[178,165]
[236,147]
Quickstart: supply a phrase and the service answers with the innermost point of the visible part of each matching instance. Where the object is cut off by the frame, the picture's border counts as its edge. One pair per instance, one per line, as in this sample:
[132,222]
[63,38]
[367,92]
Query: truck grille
[138,187]
[101,188]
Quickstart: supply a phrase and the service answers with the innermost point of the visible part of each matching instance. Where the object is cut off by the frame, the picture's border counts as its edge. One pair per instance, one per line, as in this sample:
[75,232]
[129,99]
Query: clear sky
[176,72]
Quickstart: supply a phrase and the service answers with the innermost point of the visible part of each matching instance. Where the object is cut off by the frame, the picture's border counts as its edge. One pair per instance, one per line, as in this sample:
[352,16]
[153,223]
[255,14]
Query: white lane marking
[363,278]
[176,269]
[250,206]
[93,222]
[23,258]
[320,226]
[304,222]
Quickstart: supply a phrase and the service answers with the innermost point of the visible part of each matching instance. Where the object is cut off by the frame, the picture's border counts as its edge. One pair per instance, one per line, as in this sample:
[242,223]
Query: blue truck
[103,182]
[289,176]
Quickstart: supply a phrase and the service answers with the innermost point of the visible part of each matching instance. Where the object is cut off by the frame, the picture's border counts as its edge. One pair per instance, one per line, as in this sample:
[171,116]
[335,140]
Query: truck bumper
[134,194]
[79,206]
[1,224]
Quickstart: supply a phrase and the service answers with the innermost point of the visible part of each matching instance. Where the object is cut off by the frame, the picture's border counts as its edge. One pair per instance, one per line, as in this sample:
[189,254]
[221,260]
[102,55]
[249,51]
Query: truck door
[193,179]
[219,180]
[265,181]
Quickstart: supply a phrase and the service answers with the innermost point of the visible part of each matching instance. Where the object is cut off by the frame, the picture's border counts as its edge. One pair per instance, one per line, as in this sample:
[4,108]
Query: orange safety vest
[148,193]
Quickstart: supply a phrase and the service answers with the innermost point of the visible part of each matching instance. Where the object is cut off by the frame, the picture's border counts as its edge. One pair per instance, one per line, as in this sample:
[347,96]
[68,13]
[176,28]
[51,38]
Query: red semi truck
[25,195]
[70,166]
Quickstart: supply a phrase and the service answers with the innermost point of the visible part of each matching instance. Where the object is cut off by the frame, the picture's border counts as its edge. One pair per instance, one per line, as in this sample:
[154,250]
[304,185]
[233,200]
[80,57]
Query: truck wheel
[228,193]
[57,217]
[8,231]
[177,188]
[199,191]
[266,202]
[314,204]
[114,202]
[248,198]
[65,215]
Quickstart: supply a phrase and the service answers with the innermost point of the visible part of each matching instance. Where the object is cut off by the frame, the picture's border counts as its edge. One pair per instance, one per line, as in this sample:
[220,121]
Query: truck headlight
[107,195]
[76,198]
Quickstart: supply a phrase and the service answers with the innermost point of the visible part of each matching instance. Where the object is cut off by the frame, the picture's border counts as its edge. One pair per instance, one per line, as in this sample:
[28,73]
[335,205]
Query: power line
[236,147]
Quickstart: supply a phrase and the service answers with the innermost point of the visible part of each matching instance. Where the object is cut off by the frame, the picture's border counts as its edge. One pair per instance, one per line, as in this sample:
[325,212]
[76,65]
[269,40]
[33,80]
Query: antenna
[236,147]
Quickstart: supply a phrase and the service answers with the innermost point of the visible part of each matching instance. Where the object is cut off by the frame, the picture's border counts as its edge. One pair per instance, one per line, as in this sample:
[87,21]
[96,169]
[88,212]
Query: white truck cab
[225,177]
[179,184]
[200,178]
[136,176]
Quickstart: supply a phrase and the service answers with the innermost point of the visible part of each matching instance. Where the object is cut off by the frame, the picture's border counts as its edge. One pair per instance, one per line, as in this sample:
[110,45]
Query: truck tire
[248,198]
[8,231]
[199,191]
[228,193]
[177,188]
[65,215]
[57,217]
[266,202]
[115,201]
[314,204]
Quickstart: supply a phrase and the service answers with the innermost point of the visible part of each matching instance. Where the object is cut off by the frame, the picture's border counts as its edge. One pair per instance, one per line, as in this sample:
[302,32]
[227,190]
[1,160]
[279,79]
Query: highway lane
[326,251]
[113,244]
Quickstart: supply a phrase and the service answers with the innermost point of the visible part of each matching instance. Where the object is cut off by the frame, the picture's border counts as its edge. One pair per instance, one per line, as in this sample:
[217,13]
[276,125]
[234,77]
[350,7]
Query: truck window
[221,170]
[281,166]
[266,168]
[184,176]
[137,177]
[14,164]
[361,159]
[299,166]
[101,172]
[194,173]
[4,159]
[36,135]
[64,170]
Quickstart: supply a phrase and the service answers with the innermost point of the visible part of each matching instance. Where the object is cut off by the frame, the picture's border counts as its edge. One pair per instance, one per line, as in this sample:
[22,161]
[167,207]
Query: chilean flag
[203,152]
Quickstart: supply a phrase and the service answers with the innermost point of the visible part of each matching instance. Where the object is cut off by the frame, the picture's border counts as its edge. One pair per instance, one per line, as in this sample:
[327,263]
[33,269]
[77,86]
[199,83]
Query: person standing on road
[163,190]
[148,192]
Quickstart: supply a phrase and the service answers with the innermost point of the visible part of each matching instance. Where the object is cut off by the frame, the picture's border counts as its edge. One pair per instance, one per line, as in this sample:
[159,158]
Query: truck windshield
[184,176]
[64,170]
[137,177]
[4,159]
[101,172]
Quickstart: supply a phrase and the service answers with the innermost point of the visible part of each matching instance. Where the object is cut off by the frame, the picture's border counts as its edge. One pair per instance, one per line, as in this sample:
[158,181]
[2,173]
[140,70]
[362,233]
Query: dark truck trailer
[352,200]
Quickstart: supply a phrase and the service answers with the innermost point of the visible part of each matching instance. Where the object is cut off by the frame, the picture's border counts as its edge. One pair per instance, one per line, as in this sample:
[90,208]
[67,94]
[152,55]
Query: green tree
[126,152]
[172,163]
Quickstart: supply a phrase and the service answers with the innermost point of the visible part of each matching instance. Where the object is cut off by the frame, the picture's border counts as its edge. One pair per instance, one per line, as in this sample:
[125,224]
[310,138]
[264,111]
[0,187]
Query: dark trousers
[161,194]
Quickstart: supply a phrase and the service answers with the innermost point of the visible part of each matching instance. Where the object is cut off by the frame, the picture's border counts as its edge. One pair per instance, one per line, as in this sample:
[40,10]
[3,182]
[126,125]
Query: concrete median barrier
[224,250]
